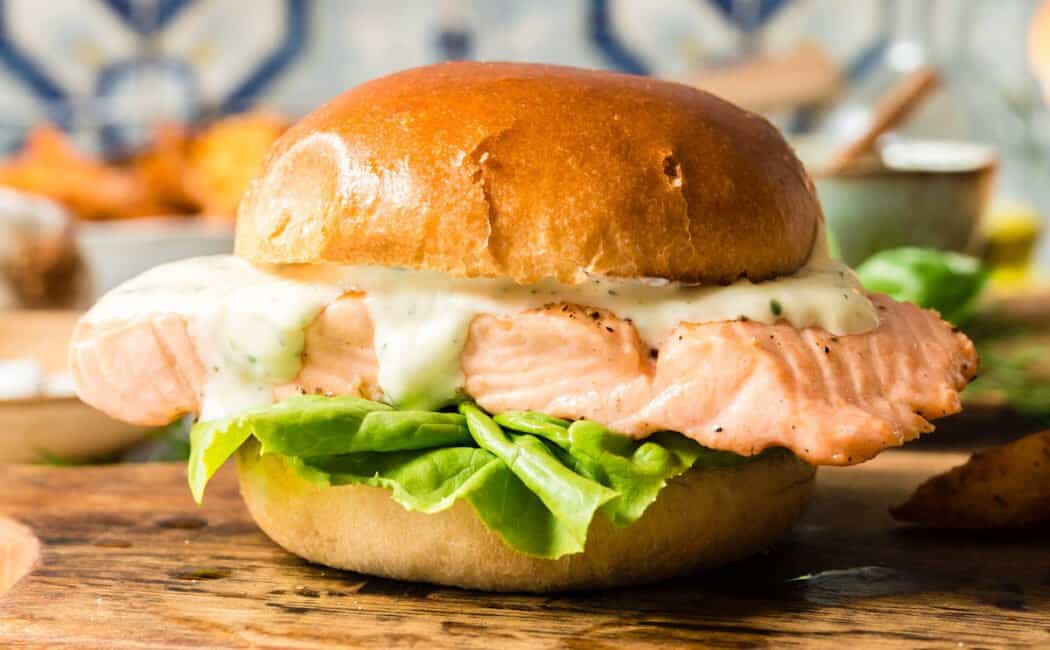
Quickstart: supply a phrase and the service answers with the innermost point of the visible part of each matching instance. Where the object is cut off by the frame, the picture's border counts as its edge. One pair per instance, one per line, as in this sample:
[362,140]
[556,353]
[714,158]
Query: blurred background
[129,129]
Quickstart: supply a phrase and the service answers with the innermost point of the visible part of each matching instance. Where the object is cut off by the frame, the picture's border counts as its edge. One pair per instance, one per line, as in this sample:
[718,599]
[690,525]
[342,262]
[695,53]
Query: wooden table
[127,561]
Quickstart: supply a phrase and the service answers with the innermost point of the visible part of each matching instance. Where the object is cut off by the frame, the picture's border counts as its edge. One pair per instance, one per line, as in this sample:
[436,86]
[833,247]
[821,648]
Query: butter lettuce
[211,445]
[942,280]
[534,480]
[572,498]
[313,425]
[427,481]
[636,471]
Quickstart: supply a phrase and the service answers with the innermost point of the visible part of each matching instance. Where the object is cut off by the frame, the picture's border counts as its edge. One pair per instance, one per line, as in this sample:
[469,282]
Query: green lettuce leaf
[941,280]
[211,445]
[313,425]
[534,480]
[635,470]
[428,481]
[570,497]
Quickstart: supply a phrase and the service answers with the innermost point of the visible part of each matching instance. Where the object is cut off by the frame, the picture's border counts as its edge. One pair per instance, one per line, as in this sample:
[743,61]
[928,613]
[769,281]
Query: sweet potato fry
[1003,487]
[183,172]
[49,165]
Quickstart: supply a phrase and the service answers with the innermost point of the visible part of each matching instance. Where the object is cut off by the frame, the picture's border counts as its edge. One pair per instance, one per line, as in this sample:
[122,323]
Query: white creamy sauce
[248,322]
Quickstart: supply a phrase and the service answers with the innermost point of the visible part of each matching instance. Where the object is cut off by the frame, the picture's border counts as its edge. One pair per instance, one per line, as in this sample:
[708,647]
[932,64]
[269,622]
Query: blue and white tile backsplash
[107,69]
[117,65]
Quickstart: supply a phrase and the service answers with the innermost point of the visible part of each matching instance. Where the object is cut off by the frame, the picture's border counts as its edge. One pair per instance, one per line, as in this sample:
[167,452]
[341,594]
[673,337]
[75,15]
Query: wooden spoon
[893,109]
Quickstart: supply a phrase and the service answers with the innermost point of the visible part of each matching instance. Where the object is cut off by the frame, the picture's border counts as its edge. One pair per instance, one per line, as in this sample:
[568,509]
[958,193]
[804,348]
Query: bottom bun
[703,518]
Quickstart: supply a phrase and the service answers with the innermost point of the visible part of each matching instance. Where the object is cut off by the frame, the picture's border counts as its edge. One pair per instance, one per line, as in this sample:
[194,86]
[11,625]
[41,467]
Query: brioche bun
[533,171]
[702,519]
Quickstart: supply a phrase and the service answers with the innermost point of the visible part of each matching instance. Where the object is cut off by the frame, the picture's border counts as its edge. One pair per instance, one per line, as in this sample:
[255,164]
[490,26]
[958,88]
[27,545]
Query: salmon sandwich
[523,327]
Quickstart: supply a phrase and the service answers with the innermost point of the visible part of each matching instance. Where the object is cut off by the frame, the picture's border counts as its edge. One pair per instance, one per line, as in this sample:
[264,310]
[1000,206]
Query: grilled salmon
[739,386]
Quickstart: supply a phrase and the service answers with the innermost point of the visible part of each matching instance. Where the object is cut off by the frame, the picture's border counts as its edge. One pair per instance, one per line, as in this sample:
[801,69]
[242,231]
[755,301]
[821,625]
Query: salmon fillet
[144,370]
[739,386]
[338,357]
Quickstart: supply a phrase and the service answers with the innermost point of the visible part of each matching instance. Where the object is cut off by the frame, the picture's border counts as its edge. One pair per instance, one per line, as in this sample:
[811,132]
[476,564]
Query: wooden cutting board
[127,561]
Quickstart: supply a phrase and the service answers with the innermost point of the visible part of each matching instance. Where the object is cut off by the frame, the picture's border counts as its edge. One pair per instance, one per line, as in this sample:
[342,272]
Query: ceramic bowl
[919,193]
[119,250]
[56,427]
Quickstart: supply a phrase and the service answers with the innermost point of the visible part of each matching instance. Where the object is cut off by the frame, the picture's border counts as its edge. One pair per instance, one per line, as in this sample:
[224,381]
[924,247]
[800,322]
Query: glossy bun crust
[532,171]
[701,519]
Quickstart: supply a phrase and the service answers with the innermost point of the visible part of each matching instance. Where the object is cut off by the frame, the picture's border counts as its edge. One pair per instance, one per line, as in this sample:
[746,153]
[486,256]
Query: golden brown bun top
[533,171]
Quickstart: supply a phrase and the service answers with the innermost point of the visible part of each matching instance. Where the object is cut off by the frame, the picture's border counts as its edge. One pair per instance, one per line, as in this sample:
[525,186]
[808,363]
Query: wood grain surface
[127,561]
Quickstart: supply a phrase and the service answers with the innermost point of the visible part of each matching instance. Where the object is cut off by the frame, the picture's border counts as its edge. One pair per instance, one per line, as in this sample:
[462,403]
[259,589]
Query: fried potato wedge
[163,168]
[225,157]
[1003,487]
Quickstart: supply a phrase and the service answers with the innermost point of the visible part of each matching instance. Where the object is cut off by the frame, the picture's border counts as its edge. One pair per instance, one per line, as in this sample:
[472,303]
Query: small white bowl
[117,251]
[59,429]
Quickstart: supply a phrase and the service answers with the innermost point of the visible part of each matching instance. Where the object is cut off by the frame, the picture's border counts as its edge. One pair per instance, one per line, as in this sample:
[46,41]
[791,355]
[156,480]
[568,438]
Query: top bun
[533,171]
